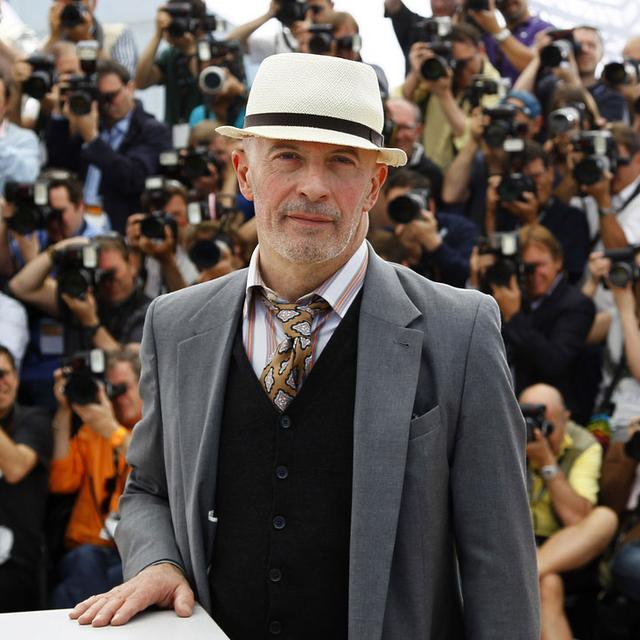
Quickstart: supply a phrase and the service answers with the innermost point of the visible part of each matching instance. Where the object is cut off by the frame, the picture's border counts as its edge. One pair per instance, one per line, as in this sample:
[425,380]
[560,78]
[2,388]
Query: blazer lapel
[203,364]
[388,367]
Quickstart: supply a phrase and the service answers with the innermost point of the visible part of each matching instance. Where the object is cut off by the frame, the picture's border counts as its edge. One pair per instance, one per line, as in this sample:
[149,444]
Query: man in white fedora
[330,445]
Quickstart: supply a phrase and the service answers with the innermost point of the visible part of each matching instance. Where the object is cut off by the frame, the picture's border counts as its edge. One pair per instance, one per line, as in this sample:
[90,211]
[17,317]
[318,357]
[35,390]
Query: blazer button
[282,472]
[279,523]
[285,422]
[275,627]
[275,575]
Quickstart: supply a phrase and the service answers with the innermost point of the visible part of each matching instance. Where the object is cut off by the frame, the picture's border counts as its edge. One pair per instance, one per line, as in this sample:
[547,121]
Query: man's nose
[313,183]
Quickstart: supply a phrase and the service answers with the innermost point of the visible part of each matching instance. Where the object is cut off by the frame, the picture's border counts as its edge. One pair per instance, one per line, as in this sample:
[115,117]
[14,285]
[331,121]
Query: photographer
[25,451]
[442,97]
[514,201]
[176,67]
[114,146]
[467,177]
[545,326]
[19,151]
[74,21]
[109,317]
[64,217]
[438,245]
[564,463]
[166,264]
[92,462]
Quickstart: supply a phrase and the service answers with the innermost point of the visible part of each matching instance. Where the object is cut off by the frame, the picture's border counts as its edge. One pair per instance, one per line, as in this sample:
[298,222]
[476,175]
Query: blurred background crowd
[523,181]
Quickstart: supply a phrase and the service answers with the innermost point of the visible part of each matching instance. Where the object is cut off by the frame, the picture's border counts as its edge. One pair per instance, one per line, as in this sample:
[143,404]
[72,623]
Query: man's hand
[85,309]
[601,190]
[99,416]
[525,210]
[86,126]
[598,266]
[22,71]
[418,53]
[487,20]
[419,234]
[163,585]
[539,452]
[478,265]
[625,300]
[163,20]
[161,250]
[59,384]
[55,28]
[509,298]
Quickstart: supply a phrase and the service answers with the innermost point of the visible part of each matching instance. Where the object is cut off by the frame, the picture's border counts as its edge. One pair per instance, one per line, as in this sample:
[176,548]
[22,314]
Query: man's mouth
[310,218]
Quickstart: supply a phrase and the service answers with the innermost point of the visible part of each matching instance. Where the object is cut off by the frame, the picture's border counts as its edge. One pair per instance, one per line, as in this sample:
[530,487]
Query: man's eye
[343,160]
[287,155]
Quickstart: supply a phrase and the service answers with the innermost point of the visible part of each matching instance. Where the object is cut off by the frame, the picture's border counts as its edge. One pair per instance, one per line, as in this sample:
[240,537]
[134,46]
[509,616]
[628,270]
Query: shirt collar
[621,197]
[335,290]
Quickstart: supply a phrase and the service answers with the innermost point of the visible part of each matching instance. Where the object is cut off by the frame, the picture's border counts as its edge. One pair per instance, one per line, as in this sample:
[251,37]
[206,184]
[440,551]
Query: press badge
[108,531]
[51,337]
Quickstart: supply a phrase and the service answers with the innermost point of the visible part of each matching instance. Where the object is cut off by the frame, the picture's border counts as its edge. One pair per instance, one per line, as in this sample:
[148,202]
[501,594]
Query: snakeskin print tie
[283,375]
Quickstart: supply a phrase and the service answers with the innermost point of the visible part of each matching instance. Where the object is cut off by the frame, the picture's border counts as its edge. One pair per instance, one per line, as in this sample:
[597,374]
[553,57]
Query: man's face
[122,284]
[632,49]
[469,59]
[120,97]
[67,64]
[513,10]
[343,31]
[311,199]
[627,171]
[128,406]
[408,130]
[546,270]
[533,124]
[442,8]
[177,208]
[8,385]
[72,214]
[543,178]
[554,413]
[591,50]
[319,10]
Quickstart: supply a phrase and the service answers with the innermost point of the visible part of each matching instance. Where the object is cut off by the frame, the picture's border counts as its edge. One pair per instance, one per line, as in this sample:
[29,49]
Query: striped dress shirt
[262,332]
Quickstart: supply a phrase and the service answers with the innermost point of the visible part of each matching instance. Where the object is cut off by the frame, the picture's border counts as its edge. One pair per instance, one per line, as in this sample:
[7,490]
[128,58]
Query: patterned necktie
[283,375]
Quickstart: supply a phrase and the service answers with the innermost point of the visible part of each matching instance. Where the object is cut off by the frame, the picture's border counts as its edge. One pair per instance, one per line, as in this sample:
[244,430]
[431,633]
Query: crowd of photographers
[523,181]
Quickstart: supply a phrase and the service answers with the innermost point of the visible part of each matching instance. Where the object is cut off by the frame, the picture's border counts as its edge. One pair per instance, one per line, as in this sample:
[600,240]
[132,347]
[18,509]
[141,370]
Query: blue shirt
[19,154]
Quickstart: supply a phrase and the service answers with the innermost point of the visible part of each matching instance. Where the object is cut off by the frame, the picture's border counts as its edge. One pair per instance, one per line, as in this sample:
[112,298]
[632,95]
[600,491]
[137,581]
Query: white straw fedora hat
[300,96]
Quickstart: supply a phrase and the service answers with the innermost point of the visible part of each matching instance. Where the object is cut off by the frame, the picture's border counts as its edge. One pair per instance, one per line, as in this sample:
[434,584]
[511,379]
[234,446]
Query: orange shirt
[92,467]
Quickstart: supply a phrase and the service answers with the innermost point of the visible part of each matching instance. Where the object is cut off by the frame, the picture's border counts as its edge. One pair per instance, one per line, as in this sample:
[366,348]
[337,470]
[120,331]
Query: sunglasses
[107,97]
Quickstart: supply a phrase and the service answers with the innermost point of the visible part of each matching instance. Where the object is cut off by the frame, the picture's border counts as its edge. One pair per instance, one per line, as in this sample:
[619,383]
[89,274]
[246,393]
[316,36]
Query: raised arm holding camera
[89,458]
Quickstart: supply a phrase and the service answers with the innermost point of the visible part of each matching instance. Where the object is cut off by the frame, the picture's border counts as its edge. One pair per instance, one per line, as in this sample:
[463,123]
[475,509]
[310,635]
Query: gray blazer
[441,539]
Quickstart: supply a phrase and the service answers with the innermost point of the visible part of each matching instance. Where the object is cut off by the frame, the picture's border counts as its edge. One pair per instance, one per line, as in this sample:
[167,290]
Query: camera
[560,50]
[618,73]
[84,371]
[432,30]
[188,166]
[624,269]
[502,126]
[154,224]
[182,19]
[534,419]
[408,207]
[504,246]
[484,86]
[73,15]
[77,270]
[87,52]
[80,91]
[436,33]
[321,37]
[216,56]
[476,5]
[32,210]
[599,152]
[513,186]
[564,120]
[204,254]
[291,11]
[42,78]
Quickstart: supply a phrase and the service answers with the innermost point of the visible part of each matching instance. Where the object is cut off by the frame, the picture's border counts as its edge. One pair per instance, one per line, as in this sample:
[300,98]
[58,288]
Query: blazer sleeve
[145,535]
[492,525]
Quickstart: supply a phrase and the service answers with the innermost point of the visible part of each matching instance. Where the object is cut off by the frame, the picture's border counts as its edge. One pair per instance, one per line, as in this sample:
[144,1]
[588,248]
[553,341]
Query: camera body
[154,224]
[73,15]
[189,166]
[484,86]
[534,418]
[436,32]
[622,72]
[502,126]
[78,271]
[84,371]
[476,5]
[42,78]
[600,154]
[560,50]
[291,11]
[31,202]
[513,186]
[80,91]
[205,254]
[505,247]
[624,269]
[409,206]
[321,38]
[214,56]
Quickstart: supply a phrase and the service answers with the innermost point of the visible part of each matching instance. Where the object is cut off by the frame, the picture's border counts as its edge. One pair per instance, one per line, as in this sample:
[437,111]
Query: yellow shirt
[583,478]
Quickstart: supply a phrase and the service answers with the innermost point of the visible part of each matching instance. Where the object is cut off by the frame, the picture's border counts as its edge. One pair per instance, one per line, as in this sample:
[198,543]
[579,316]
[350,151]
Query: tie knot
[296,319]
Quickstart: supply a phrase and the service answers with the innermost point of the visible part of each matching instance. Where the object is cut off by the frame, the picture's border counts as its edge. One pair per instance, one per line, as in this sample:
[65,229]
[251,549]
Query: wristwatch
[549,471]
[502,35]
[606,211]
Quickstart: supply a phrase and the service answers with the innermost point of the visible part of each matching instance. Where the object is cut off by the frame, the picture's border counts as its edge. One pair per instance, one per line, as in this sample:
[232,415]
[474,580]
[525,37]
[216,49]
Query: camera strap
[605,403]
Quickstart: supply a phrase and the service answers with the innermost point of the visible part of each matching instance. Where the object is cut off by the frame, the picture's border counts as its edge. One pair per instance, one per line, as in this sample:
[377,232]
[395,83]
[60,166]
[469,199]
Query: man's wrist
[118,436]
[501,35]
[606,211]
[432,242]
[549,471]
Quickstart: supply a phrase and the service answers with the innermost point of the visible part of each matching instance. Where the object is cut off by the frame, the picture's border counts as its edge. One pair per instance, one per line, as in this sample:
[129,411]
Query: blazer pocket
[424,424]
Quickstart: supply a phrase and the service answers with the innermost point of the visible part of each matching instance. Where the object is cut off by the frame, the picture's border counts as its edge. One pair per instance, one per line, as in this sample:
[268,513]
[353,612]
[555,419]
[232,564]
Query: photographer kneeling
[438,244]
[91,460]
[95,291]
[564,463]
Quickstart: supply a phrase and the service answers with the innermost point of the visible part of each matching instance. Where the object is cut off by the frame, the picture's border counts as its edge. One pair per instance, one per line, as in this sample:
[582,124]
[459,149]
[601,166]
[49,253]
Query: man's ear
[377,180]
[241,166]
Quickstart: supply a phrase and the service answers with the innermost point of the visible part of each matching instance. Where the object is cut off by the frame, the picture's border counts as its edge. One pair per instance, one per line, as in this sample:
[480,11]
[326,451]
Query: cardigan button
[275,575]
[275,627]
[285,422]
[279,523]
[282,473]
